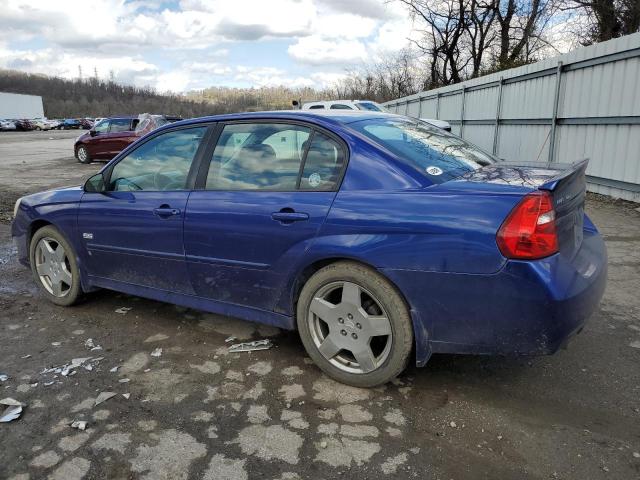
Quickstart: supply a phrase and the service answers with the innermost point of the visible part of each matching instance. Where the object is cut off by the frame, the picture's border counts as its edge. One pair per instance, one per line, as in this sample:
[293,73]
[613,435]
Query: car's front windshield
[437,154]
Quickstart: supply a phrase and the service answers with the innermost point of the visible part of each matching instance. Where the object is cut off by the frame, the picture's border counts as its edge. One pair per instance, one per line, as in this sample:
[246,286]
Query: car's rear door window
[275,156]
[258,156]
[120,125]
[160,164]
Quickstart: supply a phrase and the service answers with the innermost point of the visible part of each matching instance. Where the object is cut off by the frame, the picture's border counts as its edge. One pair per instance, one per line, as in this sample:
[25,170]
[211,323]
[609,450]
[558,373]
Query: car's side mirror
[92,132]
[96,184]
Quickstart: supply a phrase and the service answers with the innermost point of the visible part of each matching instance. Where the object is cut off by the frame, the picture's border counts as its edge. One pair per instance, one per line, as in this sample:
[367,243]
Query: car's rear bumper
[527,308]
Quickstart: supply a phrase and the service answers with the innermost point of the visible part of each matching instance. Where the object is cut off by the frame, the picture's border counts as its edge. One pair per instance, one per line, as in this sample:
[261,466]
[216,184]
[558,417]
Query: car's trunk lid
[569,191]
[566,182]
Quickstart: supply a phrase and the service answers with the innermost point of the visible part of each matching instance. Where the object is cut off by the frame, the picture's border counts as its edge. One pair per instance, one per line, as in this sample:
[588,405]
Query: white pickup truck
[362,105]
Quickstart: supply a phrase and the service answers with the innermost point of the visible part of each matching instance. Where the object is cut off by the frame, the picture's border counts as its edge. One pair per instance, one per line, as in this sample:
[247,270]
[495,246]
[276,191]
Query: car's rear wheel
[54,266]
[82,154]
[355,325]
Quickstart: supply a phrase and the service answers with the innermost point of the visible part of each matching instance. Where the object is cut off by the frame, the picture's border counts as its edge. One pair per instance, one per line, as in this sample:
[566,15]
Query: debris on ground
[79,424]
[230,339]
[157,352]
[251,346]
[114,369]
[69,369]
[126,395]
[122,310]
[13,410]
[103,397]
[124,380]
[4,377]
[24,357]
[56,344]
[89,343]
[453,424]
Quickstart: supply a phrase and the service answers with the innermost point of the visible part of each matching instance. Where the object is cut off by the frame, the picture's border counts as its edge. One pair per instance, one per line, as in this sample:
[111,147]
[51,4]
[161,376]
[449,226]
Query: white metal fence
[583,104]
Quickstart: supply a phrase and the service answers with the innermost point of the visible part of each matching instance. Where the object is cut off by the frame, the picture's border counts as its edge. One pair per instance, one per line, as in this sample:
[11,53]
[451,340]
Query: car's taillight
[529,232]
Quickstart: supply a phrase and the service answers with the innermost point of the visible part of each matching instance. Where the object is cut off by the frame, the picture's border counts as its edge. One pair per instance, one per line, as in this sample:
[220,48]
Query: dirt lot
[196,411]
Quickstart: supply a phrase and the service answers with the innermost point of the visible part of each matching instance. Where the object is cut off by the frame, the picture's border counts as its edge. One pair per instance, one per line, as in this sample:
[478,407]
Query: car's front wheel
[54,266]
[82,154]
[355,325]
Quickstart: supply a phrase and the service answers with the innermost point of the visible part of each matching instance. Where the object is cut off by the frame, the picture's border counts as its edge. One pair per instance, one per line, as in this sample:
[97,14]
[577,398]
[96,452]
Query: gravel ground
[197,411]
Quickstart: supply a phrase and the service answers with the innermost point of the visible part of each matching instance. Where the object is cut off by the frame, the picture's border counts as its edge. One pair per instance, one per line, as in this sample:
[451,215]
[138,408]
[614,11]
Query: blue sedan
[380,238]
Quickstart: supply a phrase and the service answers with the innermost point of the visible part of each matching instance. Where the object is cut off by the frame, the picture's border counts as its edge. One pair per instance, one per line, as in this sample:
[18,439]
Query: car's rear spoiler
[570,170]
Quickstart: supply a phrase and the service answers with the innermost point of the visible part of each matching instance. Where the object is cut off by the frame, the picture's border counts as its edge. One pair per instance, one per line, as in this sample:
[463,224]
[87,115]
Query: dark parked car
[374,235]
[24,125]
[70,124]
[86,123]
[112,135]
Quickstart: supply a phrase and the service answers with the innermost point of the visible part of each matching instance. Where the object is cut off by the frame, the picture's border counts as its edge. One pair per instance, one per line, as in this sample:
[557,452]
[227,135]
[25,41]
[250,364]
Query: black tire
[389,298]
[38,129]
[74,293]
[83,157]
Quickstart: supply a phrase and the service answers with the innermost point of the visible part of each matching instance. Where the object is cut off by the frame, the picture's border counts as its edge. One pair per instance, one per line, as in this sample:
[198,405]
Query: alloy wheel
[82,154]
[349,327]
[53,267]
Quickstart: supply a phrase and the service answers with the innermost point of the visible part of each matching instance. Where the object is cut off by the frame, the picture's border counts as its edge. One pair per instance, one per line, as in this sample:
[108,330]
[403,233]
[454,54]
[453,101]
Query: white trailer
[16,105]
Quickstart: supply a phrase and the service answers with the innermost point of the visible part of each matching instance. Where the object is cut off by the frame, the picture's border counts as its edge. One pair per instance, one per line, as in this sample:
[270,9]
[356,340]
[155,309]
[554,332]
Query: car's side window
[257,156]
[102,127]
[160,164]
[316,107]
[323,164]
[120,125]
[340,106]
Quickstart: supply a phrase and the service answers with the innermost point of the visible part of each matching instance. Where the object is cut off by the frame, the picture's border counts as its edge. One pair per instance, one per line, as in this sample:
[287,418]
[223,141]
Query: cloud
[317,50]
[126,69]
[193,44]
[364,8]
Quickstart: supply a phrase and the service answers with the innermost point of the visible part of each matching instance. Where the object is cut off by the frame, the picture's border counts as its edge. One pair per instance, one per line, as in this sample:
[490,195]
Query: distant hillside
[95,98]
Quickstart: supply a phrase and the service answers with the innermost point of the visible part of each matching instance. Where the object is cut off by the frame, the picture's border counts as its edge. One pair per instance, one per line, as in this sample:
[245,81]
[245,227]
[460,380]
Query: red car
[112,135]
[106,139]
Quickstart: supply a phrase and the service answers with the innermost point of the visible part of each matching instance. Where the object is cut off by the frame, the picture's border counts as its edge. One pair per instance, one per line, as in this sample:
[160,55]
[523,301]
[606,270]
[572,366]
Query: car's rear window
[369,106]
[439,155]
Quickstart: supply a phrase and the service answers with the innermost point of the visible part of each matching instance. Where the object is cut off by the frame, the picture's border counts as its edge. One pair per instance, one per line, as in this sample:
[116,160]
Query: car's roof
[334,116]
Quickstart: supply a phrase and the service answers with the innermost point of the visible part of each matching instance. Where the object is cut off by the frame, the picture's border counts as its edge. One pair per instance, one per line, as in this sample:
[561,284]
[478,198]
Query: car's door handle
[289,216]
[166,212]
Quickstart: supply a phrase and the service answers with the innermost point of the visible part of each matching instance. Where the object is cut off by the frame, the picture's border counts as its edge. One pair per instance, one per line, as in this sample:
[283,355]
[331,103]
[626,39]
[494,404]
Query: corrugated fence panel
[481,104]
[524,143]
[429,108]
[613,150]
[481,135]
[596,114]
[414,109]
[529,99]
[610,89]
[450,107]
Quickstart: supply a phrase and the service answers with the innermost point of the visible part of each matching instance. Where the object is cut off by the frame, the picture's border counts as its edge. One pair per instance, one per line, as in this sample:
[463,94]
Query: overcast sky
[190,44]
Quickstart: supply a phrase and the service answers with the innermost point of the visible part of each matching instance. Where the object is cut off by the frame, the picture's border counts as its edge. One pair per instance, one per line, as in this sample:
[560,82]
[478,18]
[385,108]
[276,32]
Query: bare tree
[464,38]
[607,18]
